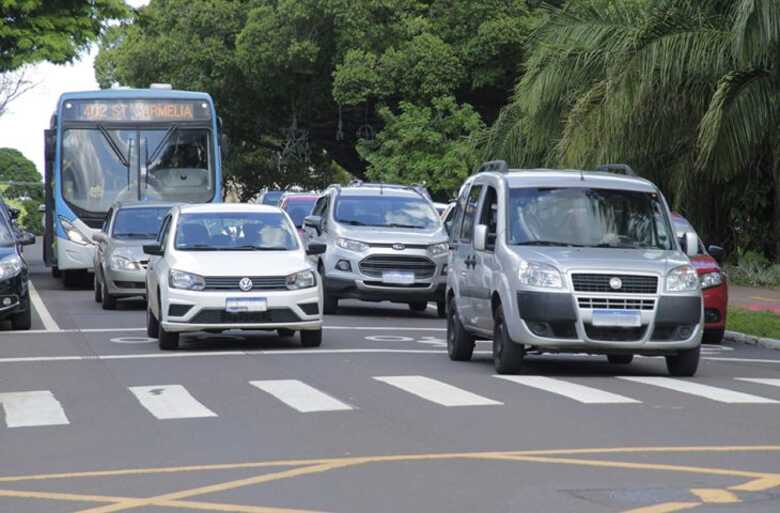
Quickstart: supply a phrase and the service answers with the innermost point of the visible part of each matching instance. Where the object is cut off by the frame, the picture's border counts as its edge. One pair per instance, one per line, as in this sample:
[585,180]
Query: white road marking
[300,396]
[580,393]
[48,321]
[772,382]
[749,360]
[37,408]
[722,395]
[122,330]
[170,402]
[436,391]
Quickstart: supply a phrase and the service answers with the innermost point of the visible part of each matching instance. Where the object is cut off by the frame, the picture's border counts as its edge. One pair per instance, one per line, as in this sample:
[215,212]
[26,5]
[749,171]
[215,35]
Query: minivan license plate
[398,278]
[235,305]
[617,318]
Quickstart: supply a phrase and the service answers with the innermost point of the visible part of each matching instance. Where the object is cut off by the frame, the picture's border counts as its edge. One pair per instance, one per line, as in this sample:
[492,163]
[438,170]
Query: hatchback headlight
[301,280]
[352,245]
[74,234]
[682,279]
[10,266]
[185,281]
[709,280]
[535,274]
[438,249]
[124,260]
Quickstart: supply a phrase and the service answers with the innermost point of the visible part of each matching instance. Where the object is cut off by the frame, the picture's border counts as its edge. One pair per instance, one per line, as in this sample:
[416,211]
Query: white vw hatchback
[222,267]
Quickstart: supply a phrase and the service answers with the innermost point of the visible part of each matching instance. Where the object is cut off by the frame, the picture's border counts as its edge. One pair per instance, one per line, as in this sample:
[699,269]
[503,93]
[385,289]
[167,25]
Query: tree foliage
[22,187]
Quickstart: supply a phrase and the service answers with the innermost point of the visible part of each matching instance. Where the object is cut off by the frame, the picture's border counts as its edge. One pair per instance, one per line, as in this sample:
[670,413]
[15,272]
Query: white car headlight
[713,279]
[301,280]
[74,234]
[10,266]
[682,279]
[185,281]
[535,274]
[438,249]
[122,259]
[352,245]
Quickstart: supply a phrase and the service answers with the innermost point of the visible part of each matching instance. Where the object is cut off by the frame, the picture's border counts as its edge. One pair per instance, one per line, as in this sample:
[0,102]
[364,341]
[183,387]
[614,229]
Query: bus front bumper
[72,256]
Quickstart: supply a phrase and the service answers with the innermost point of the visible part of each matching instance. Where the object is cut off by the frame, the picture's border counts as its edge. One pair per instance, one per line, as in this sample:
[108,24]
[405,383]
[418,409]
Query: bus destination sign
[135,110]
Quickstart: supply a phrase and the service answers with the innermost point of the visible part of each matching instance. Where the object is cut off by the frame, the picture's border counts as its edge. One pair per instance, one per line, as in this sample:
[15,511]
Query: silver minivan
[570,261]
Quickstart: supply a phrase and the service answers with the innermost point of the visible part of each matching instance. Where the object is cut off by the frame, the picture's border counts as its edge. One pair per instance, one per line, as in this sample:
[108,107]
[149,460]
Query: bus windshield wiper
[114,146]
[164,139]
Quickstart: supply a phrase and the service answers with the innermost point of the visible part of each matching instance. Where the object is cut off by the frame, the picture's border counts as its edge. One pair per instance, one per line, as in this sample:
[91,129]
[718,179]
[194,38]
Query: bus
[123,145]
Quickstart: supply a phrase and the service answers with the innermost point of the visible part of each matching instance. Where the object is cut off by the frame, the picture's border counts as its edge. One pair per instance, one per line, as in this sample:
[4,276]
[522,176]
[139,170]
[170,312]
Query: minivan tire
[168,341]
[685,363]
[311,338]
[460,343]
[441,309]
[507,355]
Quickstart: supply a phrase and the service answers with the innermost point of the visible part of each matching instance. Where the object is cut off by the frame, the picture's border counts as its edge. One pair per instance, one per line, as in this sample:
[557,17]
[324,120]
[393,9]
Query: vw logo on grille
[399,247]
[245,284]
[616,283]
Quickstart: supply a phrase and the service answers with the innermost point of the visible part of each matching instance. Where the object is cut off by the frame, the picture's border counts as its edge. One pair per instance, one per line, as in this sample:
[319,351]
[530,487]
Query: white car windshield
[235,231]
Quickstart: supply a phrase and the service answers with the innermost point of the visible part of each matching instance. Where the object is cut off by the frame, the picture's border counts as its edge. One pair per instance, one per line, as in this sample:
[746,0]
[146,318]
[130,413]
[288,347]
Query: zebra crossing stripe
[300,396]
[580,393]
[436,391]
[772,382]
[170,402]
[36,408]
[722,395]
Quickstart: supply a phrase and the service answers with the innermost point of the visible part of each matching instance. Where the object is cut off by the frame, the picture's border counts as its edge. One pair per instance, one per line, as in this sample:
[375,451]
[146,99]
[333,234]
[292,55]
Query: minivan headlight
[185,281]
[74,234]
[438,249]
[301,280]
[712,279]
[682,279]
[536,274]
[10,266]
[352,245]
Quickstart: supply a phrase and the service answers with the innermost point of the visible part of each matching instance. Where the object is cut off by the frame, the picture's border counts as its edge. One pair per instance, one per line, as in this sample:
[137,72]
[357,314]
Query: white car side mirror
[480,237]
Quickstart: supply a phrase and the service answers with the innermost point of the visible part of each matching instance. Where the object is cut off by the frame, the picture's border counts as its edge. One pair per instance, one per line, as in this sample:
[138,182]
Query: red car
[298,206]
[713,284]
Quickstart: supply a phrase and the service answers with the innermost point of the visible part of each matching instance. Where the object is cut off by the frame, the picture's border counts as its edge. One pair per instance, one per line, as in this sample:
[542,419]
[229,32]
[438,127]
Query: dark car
[14,279]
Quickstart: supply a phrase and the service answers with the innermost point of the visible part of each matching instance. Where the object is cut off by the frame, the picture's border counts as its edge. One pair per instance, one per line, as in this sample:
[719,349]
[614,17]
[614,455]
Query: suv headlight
[185,281]
[352,245]
[438,249]
[682,279]
[535,274]
[74,234]
[301,280]
[709,280]
[10,266]
[124,260]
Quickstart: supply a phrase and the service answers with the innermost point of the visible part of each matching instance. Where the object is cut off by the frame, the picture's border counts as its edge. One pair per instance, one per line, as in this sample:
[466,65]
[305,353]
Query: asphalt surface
[95,418]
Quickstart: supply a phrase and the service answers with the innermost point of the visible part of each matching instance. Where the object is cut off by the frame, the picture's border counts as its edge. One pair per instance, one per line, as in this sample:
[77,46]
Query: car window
[138,223]
[235,231]
[489,216]
[298,209]
[320,206]
[387,211]
[164,231]
[469,214]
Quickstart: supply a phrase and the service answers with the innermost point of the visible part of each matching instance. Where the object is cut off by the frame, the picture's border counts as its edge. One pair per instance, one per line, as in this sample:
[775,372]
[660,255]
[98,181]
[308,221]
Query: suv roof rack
[496,166]
[615,168]
[418,188]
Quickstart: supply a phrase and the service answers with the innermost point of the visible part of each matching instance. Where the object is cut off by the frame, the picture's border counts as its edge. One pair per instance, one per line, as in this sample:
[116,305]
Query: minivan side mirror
[26,239]
[315,248]
[313,222]
[480,237]
[715,252]
[153,249]
[690,244]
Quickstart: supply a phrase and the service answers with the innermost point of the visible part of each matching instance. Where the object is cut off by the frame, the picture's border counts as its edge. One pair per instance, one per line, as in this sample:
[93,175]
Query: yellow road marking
[759,485]
[666,507]
[715,495]
[762,298]
[237,508]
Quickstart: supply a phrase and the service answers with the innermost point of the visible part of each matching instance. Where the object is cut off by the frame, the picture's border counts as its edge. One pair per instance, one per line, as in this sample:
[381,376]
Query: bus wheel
[72,279]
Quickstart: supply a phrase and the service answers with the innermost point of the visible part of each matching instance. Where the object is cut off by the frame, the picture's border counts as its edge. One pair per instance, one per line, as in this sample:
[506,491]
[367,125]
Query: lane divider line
[715,496]
[120,330]
[48,321]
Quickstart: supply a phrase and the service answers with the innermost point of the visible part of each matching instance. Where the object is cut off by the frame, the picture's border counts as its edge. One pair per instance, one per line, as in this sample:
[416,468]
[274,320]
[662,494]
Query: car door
[320,209]
[483,281]
[156,266]
[464,257]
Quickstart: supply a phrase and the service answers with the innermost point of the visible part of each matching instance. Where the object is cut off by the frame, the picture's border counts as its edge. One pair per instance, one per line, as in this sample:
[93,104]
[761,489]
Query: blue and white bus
[123,145]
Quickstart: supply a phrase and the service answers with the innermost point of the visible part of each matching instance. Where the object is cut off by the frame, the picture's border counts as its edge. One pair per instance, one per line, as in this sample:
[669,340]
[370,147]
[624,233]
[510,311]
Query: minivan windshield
[585,217]
[387,211]
[138,223]
[235,231]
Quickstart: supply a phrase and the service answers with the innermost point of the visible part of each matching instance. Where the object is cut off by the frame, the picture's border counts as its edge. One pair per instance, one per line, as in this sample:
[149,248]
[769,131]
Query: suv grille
[600,283]
[615,303]
[375,265]
[258,282]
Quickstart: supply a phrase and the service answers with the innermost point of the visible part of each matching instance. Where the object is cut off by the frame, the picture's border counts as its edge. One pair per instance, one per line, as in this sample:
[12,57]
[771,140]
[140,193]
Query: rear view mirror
[480,237]
[26,239]
[153,249]
[316,248]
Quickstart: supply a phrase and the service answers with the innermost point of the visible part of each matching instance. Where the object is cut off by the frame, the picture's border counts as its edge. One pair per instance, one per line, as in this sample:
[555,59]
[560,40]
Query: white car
[222,267]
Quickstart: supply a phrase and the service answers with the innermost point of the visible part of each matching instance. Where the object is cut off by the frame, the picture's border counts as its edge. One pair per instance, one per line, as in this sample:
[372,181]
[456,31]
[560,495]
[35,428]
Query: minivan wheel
[168,341]
[418,306]
[460,343]
[620,359]
[507,355]
[311,338]
[72,279]
[685,363]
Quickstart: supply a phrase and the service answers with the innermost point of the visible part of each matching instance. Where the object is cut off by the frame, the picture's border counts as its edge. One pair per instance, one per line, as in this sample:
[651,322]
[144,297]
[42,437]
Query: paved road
[755,299]
[96,419]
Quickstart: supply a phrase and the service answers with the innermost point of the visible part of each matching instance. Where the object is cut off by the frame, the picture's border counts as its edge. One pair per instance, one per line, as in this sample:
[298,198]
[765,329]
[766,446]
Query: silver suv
[570,261]
[384,243]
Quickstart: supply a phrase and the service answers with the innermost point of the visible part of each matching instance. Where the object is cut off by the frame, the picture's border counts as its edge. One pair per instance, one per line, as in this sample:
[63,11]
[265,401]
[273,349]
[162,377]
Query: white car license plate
[398,278]
[617,318]
[235,305]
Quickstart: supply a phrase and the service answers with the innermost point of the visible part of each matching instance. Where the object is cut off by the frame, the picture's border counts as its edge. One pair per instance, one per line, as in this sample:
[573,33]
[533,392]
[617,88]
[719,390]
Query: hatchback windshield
[386,211]
[588,218]
[235,231]
[138,223]
[298,208]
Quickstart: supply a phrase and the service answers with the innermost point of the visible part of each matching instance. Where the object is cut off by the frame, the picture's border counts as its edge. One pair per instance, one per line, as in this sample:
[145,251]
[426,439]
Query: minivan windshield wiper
[549,243]
[398,225]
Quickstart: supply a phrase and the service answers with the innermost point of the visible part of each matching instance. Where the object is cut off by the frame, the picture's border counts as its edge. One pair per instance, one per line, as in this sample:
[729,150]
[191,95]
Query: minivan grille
[377,264]
[615,303]
[258,282]
[600,283]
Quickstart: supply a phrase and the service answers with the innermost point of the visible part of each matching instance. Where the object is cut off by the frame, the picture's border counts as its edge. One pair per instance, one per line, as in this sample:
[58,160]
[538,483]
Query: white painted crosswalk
[170,402]
[436,391]
[300,396]
[722,395]
[29,409]
[580,393]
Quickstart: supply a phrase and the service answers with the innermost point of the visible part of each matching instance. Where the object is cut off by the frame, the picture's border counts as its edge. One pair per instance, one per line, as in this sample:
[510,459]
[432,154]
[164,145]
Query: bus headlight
[74,235]
[10,266]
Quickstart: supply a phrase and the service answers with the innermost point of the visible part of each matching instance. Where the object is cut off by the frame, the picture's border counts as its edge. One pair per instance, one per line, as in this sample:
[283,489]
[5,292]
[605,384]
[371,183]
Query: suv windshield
[386,211]
[588,218]
[235,231]
[138,223]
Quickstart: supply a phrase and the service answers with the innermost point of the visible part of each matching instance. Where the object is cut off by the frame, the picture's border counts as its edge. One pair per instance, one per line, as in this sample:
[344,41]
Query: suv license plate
[235,305]
[398,278]
[617,318]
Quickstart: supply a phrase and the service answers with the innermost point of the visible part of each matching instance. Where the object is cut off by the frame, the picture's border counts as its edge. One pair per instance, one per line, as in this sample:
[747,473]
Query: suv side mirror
[153,249]
[316,248]
[26,239]
[480,237]
[690,244]
[313,222]
[716,252]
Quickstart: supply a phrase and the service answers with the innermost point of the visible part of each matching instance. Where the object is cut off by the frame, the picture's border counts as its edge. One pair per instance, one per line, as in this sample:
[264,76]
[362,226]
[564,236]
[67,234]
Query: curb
[769,343]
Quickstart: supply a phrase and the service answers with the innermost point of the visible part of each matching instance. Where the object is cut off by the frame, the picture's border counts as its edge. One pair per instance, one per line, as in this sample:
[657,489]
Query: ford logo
[245,284]
[616,283]
[399,247]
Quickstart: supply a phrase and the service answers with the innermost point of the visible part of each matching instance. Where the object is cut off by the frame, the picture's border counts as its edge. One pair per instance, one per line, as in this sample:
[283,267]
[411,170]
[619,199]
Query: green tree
[22,187]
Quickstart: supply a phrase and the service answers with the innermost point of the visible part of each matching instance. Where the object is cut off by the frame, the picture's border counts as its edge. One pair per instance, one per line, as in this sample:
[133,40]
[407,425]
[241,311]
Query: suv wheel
[152,324]
[507,355]
[418,306]
[331,305]
[311,338]
[620,359]
[460,343]
[685,363]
